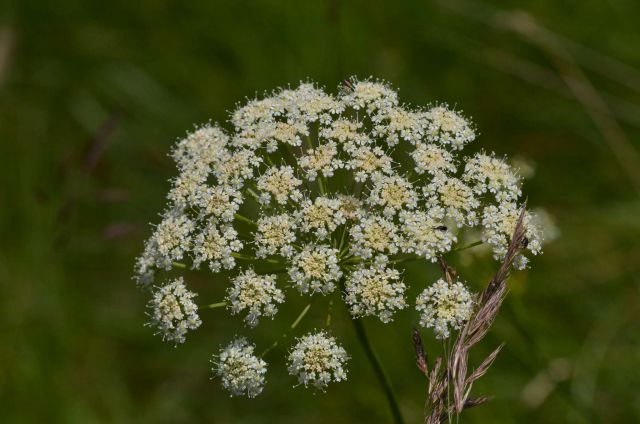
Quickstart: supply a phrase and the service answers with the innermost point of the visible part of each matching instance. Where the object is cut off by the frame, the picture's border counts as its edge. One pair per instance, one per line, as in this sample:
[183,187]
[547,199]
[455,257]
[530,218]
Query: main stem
[379,371]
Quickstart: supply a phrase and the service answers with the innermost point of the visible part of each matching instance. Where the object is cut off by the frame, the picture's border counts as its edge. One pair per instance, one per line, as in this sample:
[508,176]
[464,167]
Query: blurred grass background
[92,95]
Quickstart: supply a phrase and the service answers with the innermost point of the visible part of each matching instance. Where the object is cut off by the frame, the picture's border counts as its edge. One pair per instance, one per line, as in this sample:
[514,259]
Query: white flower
[317,360]
[350,206]
[370,95]
[365,160]
[457,199]
[169,242]
[499,222]
[399,123]
[321,159]
[376,290]
[173,311]
[315,269]
[344,131]
[374,235]
[309,103]
[444,307]
[275,235]
[257,111]
[282,132]
[222,202]
[236,166]
[433,159]
[242,372]
[258,294]
[487,173]
[394,193]
[215,244]
[322,216]
[336,182]
[280,183]
[448,128]
[425,234]
[201,148]
[188,188]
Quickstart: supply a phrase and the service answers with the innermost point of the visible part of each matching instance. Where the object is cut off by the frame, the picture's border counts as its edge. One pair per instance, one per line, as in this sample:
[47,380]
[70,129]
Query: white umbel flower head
[279,183]
[275,235]
[172,238]
[216,245]
[375,290]
[457,199]
[173,311]
[326,188]
[499,222]
[315,269]
[321,217]
[257,294]
[448,128]
[487,173]
[317,360]
[433,159]
[322,159]
[370,95]
[242,373]
[393,193]
[444,307]
[375,234]
[425,234]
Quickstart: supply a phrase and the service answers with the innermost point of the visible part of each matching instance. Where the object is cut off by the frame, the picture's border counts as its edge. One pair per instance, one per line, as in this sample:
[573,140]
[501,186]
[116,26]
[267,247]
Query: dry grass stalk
[449,387]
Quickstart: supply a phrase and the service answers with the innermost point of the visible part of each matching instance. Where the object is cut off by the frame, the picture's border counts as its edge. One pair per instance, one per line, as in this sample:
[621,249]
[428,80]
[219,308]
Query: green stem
[321,185]
[328,320]
[345,230]
[403,260]
[383,379]
[351,260]
[276,271]
[245,219]
[251,258]
[179,264]
[291,328]
[302,314]
[215,305]
[253,194]
[467,246]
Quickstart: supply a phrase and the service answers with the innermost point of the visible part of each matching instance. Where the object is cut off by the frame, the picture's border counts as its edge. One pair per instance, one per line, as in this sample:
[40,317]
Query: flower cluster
[173,311]
[316,359]
[315,269]
[444,307]
[316,191]
[258,294]
[375,290]
[241,372]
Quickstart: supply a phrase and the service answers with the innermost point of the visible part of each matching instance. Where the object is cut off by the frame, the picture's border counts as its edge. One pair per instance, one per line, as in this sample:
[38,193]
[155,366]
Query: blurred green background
[93,94]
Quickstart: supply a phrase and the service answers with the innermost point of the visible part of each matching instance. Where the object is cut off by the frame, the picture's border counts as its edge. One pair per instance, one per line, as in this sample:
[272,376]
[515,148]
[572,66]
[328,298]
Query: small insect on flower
[444,307]
[173,311]
[317,360]
[241,372]
[348,84]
